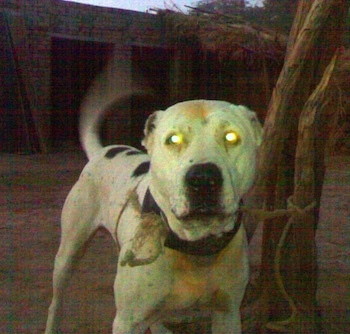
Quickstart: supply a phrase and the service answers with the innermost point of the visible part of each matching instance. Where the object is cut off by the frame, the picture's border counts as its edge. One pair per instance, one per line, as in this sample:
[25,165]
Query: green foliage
[279,14]
[275,14]
[221,5]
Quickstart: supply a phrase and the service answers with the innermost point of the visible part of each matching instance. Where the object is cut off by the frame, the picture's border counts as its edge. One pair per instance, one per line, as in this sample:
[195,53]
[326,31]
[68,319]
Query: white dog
[201,161]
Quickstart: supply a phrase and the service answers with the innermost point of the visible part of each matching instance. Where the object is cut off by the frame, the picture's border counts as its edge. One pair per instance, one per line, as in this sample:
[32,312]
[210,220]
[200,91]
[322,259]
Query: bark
[301,226]
[306,58]
[283,115]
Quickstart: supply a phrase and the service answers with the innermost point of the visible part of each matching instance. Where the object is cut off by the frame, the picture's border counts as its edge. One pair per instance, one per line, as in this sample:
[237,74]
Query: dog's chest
[193,283]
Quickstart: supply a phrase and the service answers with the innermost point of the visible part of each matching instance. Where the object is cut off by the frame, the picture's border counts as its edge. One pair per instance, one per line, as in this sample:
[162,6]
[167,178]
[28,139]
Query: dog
[200,162]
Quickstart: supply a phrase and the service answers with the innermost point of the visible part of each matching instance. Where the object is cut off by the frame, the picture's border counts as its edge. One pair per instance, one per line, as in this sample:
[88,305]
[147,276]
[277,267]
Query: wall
[34,24]
[58,48]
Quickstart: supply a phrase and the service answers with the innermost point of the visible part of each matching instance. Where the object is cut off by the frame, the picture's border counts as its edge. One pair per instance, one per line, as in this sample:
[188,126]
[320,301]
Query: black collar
[203,247]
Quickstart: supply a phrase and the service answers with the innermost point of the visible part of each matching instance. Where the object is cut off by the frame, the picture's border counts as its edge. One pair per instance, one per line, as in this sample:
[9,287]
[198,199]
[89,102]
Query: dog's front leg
[140,295]
[77,229]
[119,326]
[67,258]
[122,327]
[123,324]
[226,323]
[159,328]
[127,323]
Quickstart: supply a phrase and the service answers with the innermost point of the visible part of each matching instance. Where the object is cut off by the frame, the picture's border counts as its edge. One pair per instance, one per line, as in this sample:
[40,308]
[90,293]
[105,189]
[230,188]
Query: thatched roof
[216,32]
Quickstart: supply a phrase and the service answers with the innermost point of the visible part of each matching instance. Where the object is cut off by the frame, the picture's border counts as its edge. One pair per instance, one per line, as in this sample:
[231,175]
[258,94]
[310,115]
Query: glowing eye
[175,139]
[231,137]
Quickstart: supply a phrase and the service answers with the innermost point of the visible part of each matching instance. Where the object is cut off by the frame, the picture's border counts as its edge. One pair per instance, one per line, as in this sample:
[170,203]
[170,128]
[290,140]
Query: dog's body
[200,163]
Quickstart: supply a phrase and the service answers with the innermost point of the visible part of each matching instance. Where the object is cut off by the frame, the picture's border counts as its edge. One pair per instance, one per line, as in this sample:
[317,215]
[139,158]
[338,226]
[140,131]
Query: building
[51,50]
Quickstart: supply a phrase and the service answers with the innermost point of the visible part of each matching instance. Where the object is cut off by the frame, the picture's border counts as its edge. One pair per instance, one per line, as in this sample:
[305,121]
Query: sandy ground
[32,191]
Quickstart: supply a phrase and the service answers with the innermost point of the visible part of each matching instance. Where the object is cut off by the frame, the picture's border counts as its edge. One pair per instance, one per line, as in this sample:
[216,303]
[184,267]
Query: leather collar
[207,246]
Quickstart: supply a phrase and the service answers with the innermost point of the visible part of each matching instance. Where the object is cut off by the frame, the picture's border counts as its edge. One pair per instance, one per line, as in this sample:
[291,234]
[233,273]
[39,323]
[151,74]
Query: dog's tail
[108,90]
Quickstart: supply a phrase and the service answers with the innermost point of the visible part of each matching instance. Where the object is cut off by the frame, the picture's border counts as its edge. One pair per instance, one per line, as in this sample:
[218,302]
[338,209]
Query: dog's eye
[231,137]
[174,139]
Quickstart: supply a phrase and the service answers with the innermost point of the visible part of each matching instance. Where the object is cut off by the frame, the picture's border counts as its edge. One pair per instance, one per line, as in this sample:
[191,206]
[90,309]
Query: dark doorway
[18,133]
[151,65]
[75,63]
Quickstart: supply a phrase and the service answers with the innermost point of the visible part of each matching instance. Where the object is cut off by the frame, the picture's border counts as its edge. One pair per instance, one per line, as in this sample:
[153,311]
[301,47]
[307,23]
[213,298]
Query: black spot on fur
[150,126]
[134,152]
[111,153]
[143,168]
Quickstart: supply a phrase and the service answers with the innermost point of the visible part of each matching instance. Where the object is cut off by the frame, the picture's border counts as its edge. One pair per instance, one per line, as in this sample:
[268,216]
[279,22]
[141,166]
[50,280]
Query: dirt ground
[32,191]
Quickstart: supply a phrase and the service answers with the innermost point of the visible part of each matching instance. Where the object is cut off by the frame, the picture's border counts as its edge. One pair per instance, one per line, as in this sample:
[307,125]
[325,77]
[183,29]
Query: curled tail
[108,89]
[90,120]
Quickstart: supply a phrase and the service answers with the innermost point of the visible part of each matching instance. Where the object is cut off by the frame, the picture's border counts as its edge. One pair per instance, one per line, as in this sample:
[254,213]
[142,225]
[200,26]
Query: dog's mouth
[202,222]
[203,213]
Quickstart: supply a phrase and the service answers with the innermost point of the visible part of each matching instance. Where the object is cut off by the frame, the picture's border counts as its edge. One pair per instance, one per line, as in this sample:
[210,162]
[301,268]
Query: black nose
[204,178]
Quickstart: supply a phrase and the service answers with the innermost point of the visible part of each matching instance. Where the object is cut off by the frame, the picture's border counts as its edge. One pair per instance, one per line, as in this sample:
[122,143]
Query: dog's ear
[253,120]
[150,125]
[257,128]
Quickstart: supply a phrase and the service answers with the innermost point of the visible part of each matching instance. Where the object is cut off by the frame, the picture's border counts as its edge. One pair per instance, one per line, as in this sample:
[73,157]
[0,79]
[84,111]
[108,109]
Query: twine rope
[293,211]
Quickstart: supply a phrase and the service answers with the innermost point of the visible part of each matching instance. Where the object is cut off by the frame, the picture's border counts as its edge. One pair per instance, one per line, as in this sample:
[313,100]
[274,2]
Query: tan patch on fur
[220,301]
[190,285]
[196,111]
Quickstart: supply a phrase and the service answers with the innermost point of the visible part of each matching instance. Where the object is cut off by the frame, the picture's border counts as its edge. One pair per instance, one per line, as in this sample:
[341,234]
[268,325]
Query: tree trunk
[306,58]
[305,191]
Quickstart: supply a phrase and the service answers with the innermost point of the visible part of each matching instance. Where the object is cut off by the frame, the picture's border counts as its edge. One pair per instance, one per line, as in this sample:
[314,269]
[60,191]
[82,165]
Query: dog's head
[203,160]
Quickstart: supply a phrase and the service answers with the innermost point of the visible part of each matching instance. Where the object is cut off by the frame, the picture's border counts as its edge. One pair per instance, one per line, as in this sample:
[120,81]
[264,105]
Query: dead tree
[291,168]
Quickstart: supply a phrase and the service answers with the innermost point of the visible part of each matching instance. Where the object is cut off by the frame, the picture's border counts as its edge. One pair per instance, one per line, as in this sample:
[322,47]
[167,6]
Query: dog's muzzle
[204,186]
[206,246]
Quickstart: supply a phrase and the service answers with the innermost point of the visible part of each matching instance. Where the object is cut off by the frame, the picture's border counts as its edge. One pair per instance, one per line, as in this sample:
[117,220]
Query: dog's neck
[207,246]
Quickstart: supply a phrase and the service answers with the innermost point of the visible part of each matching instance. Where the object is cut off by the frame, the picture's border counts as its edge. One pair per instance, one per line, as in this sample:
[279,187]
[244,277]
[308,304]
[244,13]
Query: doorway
[152,66]
[75,64]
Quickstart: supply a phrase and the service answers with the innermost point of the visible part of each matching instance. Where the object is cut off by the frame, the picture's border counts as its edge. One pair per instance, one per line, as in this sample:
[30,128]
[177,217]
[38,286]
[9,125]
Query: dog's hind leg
[78,228]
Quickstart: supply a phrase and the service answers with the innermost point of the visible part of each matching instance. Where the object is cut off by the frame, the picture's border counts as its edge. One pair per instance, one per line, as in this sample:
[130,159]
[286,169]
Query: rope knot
[295,210]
